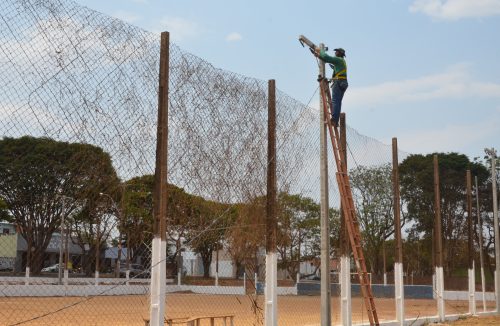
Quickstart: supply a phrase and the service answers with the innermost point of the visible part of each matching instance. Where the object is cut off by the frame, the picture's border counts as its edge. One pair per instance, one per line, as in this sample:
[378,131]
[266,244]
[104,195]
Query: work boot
[332,120]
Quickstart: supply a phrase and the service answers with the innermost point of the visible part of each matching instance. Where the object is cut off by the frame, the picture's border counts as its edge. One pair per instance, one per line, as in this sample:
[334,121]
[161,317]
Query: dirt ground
[490,320]
[132,310]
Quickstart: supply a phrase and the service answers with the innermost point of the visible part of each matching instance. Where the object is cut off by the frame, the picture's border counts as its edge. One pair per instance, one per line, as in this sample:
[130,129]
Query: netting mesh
[78,92]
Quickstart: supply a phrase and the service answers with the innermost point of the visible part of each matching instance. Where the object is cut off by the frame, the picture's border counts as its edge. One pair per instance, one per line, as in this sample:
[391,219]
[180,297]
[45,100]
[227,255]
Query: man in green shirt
[339,79]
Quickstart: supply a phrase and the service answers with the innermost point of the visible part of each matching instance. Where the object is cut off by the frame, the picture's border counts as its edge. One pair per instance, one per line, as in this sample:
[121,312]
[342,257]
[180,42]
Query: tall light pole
[493,154]
[326,318]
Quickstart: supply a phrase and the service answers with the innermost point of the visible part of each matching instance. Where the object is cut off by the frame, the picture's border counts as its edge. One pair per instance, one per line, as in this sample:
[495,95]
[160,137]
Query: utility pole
[326,318]
[481,259]
[271,299]
[493,154]
[398,259]
[158,263]
[439,243]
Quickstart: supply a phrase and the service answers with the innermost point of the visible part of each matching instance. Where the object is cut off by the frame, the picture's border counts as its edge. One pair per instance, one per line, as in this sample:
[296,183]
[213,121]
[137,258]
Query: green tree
[4,212]
[372,191]
[137,220]
[299,236]
[209,221]
[417,194]
[42,180]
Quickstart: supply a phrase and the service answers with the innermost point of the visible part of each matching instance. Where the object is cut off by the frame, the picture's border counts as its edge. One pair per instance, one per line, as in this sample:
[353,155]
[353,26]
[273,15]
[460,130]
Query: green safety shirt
[337,63]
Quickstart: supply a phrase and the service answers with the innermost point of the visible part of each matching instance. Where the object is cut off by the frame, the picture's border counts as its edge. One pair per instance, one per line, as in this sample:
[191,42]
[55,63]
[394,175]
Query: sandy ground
[490,320]
[132,310]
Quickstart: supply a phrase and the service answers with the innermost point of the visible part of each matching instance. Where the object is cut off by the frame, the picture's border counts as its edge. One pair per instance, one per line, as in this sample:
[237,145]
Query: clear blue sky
[425,71]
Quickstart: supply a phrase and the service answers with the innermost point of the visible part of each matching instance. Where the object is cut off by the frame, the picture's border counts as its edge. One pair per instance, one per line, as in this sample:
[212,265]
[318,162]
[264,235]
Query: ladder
[351,220]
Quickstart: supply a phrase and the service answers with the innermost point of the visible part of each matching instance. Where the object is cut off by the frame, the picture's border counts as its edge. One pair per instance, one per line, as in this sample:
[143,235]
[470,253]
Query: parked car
[51,269]
[136,271]
[6,264]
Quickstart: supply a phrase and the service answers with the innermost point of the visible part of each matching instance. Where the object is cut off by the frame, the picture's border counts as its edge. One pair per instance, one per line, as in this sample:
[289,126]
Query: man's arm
[325,57]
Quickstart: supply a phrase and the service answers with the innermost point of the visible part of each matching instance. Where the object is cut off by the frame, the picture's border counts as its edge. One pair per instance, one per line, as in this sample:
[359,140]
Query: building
[13,249]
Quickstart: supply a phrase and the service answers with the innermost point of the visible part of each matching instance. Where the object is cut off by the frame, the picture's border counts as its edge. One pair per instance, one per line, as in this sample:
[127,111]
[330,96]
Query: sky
[424,71]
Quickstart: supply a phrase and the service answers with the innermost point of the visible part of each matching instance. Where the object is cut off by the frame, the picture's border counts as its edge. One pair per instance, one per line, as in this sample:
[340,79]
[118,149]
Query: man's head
[339,52]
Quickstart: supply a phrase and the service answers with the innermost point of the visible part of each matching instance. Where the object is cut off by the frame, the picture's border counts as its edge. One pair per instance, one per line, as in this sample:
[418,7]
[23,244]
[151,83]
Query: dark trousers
[339,87]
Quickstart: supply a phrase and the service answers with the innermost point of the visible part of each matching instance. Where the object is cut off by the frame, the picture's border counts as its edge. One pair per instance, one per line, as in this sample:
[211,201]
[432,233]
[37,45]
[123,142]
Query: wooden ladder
[351,220]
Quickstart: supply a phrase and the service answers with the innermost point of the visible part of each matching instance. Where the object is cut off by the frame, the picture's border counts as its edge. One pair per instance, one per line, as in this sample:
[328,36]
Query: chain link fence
[78,98]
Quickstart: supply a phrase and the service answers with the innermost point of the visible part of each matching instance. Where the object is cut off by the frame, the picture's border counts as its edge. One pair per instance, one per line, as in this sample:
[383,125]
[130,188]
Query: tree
[4,212]
[42,180]
[209,221]
[298,228]
[372,192]
[417,195]
[246,234]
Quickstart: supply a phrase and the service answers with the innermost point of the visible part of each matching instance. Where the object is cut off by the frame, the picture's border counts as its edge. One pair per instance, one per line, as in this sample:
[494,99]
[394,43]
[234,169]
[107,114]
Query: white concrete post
[127,276]
[440,293]
[385,278]
[27,276]
[66,275]
[216,278]
[255,281]
[345,291]
[245,283]
[483,289]
[96,278]
[270,292]
[434,287]
[179,276]
[472,290]
[158,275]
[399,293]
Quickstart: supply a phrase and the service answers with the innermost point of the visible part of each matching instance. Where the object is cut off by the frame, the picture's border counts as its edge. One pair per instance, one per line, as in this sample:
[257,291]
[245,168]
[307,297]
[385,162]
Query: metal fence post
[326,318]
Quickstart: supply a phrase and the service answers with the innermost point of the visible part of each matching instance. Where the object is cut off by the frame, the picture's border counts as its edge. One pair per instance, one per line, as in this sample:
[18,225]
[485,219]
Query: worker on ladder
[339,79]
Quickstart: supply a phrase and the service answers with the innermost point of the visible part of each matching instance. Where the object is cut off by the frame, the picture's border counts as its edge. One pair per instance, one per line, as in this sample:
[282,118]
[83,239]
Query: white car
[51,269]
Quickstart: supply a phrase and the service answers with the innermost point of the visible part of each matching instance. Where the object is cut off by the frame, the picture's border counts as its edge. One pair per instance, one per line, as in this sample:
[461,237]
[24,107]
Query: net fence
[78,97]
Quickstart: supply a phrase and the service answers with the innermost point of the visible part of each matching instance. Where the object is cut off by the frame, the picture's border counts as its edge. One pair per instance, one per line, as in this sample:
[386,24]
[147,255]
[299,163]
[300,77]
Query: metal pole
[439,244]
[271,224]
[481,261]
[497,236]
[158,263]
[398,259]
[61,244]
[326,318]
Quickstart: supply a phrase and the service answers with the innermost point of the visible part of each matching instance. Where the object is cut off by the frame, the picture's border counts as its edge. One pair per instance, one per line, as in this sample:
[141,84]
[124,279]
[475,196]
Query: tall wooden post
[158,263]
[271,224]
[470,222]
[438,243]
[345,259]
[398,257]
[481,258]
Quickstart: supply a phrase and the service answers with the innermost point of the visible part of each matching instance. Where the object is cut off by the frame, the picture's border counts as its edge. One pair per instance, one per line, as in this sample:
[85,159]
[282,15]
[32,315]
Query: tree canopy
[42,180]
